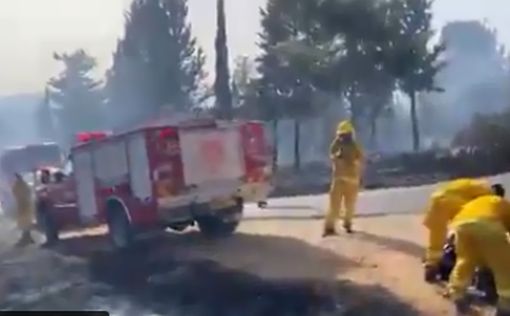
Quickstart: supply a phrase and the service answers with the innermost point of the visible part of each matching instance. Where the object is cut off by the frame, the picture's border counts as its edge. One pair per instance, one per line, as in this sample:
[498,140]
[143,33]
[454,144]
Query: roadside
[271,267]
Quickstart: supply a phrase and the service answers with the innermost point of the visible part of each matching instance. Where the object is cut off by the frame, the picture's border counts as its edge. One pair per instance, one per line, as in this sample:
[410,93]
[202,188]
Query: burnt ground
[184,274]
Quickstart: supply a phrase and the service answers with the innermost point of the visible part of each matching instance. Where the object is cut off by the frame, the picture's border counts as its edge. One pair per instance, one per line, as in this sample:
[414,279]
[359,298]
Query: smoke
[476,80]
[17,119]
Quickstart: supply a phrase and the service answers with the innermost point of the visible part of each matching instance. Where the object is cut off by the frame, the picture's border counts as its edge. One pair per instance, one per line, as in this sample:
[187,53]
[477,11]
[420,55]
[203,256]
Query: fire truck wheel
[47,224]
[119,229]
[223,224]
[215,227]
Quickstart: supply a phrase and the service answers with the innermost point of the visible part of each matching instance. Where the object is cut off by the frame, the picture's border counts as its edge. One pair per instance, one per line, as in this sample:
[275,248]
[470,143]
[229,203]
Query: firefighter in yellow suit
[481,239]
[445,203]
[347,158]
[24,209]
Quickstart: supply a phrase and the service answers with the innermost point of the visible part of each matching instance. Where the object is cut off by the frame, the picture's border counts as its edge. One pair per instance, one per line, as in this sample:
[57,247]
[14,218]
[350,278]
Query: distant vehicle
[26,159]
[159,176]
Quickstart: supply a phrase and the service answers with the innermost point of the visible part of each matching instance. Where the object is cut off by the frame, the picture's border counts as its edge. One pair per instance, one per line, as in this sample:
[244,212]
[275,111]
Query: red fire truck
[155,177]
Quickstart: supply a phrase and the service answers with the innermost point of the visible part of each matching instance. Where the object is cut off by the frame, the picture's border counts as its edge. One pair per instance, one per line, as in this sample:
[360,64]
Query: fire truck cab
[155,177]
[25,160]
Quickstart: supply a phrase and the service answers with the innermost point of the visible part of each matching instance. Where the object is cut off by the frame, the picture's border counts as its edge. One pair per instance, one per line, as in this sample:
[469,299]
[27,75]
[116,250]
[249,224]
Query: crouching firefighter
[445,203]
[346,156]
[483,280]
[480,231]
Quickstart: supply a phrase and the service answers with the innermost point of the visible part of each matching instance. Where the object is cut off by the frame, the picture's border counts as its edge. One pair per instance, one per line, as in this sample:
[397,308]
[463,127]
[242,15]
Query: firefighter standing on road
[481,239]
[346,157]
[24,210]
[445,203]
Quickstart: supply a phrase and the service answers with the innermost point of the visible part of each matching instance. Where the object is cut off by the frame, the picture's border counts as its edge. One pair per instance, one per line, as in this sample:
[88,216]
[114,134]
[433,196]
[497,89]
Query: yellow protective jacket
[481,238]
[448,200]
[489,208]
[469,188]
[347,159]
[24,205]
[445,204]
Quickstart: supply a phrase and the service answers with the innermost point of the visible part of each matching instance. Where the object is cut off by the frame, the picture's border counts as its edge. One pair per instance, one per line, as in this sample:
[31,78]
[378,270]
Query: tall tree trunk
[414,122]
[222,83]
[297,141]
[355,112]
[373,131]
[275,145]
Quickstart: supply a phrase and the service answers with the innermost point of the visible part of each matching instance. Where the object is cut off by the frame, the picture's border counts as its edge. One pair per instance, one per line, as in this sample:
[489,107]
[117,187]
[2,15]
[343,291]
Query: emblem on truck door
[213,150]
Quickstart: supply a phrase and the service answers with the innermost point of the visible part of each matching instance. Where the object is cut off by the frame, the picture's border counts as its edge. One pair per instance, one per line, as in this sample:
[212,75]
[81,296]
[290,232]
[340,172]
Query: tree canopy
[78,96]
[222,89]
[157,63]
[359,50]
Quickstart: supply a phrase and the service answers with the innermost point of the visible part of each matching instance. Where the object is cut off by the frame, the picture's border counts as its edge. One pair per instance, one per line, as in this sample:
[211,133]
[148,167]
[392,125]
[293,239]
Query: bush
[488,138]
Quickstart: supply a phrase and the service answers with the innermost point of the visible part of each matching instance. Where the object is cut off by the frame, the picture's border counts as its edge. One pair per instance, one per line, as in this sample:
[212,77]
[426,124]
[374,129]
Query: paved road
[386,201]
[375,202]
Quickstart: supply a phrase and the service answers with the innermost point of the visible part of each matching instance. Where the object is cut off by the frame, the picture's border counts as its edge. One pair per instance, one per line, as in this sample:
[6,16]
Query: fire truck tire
[47,224]
[119,229]
[215,227]
[222,224]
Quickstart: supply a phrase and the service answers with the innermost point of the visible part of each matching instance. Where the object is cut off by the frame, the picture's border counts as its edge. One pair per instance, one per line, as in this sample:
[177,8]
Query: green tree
[347,58]
[187,59]
[243,73]
[128,88]
[222,84]
[380,87]
[409,56]
[158,62]
[358,50]
[78,96]
[242,77]
[44,117]
[288,65]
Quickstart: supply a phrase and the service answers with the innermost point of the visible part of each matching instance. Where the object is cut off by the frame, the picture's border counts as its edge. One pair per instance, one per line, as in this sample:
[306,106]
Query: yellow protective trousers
[24,205]
[440,212]
[481,243]
[343,192]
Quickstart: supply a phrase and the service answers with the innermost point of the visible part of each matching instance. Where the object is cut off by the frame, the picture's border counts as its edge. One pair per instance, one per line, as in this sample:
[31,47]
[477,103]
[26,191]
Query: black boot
[502,312]
[484,282]
[29,238]
[329,232]
[463,306]
[431,273]
[25,240]
[348,228]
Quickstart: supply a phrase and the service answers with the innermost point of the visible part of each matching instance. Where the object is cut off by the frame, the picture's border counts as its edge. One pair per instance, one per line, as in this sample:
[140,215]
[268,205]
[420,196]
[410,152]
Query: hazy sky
[31,30]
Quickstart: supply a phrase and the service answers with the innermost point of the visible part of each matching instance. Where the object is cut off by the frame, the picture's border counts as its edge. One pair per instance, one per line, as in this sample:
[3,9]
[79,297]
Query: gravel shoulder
[270,267]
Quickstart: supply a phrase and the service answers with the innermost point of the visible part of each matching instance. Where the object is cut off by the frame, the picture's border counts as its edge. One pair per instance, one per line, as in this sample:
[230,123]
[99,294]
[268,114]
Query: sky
[31,30]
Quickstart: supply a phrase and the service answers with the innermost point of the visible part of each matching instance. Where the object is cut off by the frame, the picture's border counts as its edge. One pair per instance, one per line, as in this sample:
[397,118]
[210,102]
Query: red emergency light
[90,136]
[168,133]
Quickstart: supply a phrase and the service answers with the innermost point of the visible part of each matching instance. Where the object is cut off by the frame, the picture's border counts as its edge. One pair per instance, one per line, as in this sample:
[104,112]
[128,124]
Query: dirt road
[271,267]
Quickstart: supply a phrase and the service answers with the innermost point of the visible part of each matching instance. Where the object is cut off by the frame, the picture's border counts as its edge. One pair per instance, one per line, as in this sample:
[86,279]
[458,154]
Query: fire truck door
[139,171]
[85,188]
